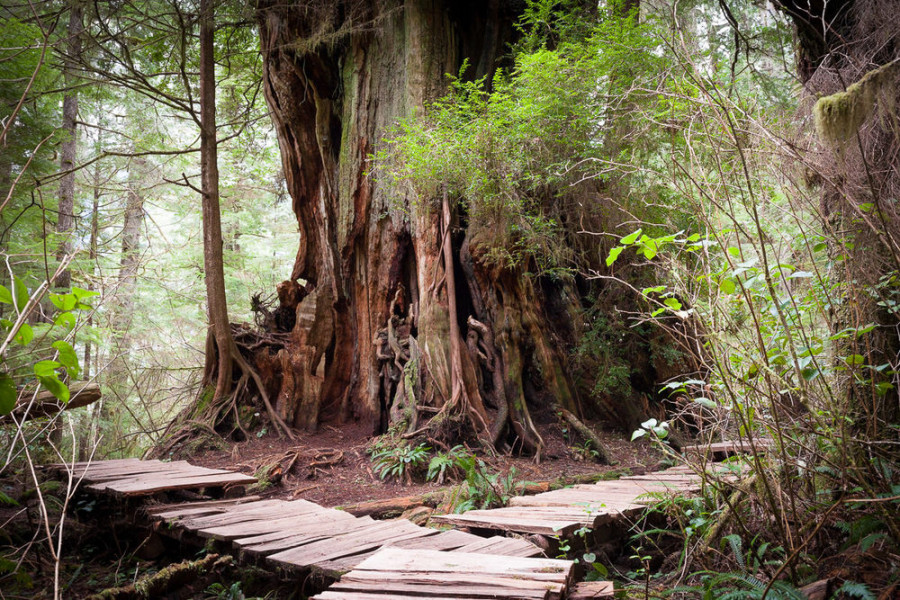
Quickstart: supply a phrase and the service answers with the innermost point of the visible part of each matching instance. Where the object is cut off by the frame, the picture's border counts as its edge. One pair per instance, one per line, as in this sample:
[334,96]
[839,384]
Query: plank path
[394,559]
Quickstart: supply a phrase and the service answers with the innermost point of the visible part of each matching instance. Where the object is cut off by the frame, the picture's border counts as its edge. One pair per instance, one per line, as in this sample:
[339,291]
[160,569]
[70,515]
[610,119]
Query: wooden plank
[184,514]
[156,510]
[257,546]
[520,525]
[319,519]
[429,561]
[356,542]
[269,510]
[503,546]
[151,486]
[592,589]
[330,595]
[469,586]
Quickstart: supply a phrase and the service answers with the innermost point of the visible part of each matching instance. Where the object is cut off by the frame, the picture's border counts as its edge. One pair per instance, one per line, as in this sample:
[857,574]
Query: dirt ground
[331,467]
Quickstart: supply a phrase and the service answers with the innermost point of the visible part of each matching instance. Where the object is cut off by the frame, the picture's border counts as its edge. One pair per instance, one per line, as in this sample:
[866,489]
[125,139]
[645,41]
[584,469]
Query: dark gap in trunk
[465,306]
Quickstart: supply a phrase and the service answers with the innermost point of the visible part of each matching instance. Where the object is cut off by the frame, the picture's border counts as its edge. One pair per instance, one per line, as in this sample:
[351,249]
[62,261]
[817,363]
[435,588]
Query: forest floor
[332,468]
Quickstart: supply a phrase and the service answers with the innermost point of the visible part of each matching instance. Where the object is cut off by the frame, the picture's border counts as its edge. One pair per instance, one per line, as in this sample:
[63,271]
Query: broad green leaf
[630,238]
[67,356]
[25,335]
[657,312]
[82,295]
[21,294]
[705,402]
[694,238]
[613,255]
[638,433]
[5,295]
[855,359]
[64,302]
[65,319]
[650,249]
[653,290]
[672,303]
[46,368]
[735,252]
[8,394]
[727,286]
[55,387]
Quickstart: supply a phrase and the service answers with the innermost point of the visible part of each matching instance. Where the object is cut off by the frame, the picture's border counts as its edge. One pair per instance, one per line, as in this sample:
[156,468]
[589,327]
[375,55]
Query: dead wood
[46,404]
[393,506]
[169,580]
[588,434]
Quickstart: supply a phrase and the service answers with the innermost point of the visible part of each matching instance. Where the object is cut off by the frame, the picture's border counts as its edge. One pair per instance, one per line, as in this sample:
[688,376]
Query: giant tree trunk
[377,338]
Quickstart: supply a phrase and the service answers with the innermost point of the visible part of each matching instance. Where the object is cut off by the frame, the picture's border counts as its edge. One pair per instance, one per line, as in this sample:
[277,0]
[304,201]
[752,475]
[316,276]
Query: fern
[856,590]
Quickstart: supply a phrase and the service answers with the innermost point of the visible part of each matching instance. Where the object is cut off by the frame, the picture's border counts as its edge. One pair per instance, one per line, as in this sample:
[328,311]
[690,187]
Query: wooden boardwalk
[562,512]
[302,536]
[394,559]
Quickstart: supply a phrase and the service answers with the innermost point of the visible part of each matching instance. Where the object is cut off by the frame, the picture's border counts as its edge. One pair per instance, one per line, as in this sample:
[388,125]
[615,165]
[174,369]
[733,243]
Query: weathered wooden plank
[320,519]
[193,508]
[356,542]
[470,586]
[150,486]
[329,595]
[589,590]
[260,547]
[186,511]
[503,546]
[429,561]
[269,510]
[500,522]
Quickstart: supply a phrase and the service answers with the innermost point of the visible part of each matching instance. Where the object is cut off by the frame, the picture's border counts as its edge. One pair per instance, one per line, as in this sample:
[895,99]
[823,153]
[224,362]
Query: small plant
[483,488]
[447,463]
[400,462]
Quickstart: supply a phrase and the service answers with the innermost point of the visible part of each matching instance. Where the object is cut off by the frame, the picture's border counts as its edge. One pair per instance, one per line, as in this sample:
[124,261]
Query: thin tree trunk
[66,217]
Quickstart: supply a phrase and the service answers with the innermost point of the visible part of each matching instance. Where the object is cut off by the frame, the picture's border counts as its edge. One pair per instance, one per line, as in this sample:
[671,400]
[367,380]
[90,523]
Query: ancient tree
[395,315]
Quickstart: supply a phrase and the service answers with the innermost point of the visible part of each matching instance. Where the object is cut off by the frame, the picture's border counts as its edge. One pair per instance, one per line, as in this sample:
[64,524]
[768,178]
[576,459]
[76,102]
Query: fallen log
[46,404]
[165,583]
[588,434]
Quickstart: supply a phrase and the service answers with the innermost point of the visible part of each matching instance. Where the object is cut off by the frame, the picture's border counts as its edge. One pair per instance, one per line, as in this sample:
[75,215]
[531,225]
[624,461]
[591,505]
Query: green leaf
[650,249]
[8,394]
[82,295]
[638,433]
[5,295]
[694,237]
[46,368]
[735,252]
[672,303]
[55,387]
[800,275]
[653,290]
[25,334]
[855,359]
[630,238]
[65,319]
[613,255]
[22,295]
[705,402]
[67,356]
[657,312]
[64,302]
[727,286]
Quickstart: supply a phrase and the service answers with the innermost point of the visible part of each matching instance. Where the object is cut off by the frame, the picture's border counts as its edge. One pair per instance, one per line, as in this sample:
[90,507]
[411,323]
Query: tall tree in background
[66,217]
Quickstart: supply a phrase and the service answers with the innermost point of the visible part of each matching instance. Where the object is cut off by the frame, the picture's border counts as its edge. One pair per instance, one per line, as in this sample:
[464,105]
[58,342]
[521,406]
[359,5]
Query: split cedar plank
[329,595]
[101,471]
[187,510]
[398,560]
[485,577]
[503,546]
[452,539]
[539,526]
[355,542]
[95,462]
[264,526]
[302,538]
[469,587]
[148,479]
[592,589]
[156,509]
[188,471]
[151,486]
[297,531]
[250,512]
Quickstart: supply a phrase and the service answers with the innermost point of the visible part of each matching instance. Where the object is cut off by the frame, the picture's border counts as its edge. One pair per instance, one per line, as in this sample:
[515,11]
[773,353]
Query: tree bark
[338,76]
[66,217]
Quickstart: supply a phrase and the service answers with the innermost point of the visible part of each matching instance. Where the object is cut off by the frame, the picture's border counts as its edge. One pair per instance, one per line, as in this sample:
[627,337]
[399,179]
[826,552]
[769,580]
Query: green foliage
[445,464]
[483,487]
[400,462]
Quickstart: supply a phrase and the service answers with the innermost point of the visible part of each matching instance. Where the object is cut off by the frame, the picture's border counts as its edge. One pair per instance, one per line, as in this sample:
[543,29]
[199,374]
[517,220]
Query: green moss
[839,116]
